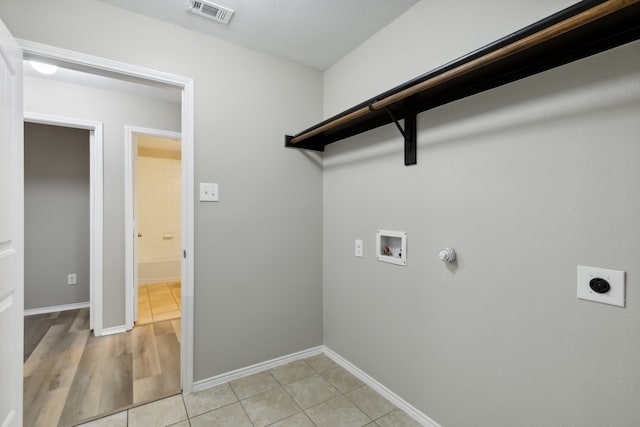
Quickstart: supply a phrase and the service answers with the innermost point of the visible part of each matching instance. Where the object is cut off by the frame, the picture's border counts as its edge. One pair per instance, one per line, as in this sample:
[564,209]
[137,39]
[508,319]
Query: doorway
[153,248]
[69,127]
[105,67]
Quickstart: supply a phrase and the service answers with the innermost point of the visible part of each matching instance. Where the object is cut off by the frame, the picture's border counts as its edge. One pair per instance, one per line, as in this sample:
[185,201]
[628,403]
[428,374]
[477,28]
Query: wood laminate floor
[70,375]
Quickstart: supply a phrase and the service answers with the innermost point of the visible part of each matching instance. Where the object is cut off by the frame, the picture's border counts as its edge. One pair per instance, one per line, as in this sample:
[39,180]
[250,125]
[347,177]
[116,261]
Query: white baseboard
[381,389]
[361,375]
[53,309]
[254,369]
[114,330]
[155,280]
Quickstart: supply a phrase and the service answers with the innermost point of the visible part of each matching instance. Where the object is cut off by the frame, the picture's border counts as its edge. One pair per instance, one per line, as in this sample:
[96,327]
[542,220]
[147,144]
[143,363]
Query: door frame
[96,201]
[130,206]
[103,66]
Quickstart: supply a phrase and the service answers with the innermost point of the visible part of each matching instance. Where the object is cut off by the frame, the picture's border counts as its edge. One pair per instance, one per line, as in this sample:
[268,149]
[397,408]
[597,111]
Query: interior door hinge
[184,253]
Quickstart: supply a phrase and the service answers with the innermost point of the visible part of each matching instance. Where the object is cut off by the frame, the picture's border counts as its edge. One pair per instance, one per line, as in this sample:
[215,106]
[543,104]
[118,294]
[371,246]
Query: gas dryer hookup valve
[447,254]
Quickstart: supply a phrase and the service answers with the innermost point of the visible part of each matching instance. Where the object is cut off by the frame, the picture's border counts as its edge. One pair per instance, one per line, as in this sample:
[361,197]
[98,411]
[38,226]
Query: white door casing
[136,228]
[131,226]
[11,231]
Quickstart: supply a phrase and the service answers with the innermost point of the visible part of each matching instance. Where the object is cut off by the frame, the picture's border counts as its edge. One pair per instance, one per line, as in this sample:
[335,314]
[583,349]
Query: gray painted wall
[258,270]
[114,110]
[526,182]
[56,215]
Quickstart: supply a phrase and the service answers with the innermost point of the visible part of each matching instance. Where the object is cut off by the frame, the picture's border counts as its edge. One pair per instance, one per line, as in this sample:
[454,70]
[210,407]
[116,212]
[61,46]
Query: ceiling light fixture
[43,68]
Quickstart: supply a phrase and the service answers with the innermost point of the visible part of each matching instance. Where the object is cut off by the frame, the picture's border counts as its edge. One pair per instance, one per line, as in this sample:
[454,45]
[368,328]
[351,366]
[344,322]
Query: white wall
[526,181]
[430,34]
[253,301]
[159,209]
[159,216]
[114,110]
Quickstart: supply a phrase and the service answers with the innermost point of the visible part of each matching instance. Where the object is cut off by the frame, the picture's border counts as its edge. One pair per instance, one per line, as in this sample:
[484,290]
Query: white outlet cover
[616,294]
[358,248]
[209,192]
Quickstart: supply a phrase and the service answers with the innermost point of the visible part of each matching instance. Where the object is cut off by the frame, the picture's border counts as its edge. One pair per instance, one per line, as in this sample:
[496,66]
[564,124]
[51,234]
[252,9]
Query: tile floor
[158,301]
[305,393]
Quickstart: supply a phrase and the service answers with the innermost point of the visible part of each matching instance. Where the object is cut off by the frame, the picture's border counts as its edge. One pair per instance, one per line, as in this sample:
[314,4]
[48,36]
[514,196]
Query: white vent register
[210,10]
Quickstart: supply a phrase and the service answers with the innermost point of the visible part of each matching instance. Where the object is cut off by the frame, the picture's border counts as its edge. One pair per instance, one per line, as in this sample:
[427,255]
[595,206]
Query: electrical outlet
[358,248]
[71,279]
[601,285]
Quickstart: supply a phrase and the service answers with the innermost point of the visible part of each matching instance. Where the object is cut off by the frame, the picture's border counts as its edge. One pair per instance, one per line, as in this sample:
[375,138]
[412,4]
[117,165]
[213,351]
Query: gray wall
[253,301]
[114,110]
[56,215]
[526,182]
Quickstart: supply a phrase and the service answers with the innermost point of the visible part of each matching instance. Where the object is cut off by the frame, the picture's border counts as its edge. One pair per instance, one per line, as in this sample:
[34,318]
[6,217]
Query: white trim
[51,119]
[188,233]
[392,397]
[158,280]
[129,194]
[129,229]
[114,330]
[97,212]
[9,419]
[96,204]
[55,308]
[254,369]
[33,49]
[95,63]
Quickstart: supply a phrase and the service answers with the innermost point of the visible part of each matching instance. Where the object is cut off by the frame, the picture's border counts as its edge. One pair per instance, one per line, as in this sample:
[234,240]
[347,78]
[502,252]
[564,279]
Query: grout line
[186,411]
[240,402]
[216,409]
[245,412]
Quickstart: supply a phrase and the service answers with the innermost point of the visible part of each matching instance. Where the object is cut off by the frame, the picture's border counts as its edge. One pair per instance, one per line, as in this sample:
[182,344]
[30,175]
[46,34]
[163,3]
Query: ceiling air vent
[210,10]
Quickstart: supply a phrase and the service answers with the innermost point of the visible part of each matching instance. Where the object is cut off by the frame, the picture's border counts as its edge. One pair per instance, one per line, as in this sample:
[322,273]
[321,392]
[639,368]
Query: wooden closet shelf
[582,30]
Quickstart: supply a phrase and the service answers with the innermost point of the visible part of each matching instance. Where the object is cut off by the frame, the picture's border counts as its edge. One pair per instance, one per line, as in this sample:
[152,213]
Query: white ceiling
[316,33]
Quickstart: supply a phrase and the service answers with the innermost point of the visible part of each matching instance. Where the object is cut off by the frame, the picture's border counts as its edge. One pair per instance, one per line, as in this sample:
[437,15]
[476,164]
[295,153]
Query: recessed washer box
[391,247]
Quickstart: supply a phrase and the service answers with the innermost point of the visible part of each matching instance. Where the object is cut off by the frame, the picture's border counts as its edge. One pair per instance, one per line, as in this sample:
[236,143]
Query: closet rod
[599,11]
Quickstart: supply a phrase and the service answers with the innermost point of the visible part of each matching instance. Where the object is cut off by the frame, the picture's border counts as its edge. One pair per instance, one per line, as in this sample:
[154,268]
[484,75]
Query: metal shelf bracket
[409,133]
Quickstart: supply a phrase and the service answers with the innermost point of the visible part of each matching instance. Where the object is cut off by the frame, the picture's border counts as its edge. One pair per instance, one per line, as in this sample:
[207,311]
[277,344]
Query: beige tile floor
[305,393]
[158,301]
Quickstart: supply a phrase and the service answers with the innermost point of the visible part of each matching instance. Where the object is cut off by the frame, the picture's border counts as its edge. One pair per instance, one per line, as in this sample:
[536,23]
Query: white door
[11,231]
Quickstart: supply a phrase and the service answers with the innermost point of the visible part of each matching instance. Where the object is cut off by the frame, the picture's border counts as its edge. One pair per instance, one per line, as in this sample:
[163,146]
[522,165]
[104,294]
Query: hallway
[71,375]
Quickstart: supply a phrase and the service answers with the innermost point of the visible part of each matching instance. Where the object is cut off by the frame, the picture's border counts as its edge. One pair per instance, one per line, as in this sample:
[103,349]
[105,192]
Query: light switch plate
[358,248]
[209,192]
[615,278]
